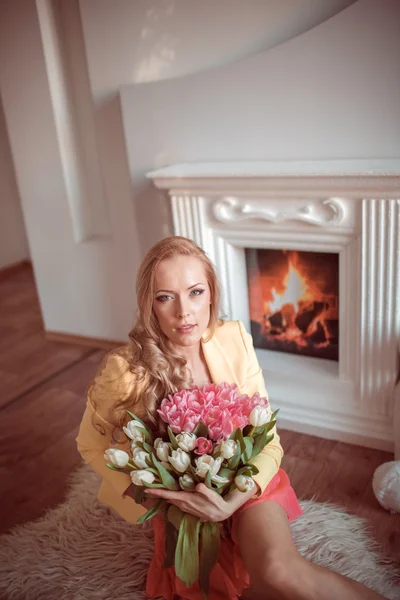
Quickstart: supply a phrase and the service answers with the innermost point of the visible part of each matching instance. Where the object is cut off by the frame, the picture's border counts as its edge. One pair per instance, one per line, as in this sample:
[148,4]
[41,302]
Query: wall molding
[68,79]
[66,338]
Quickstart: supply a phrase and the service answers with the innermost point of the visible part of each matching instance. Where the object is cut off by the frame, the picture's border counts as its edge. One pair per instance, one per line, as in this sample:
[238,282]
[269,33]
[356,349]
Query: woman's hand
[204,503]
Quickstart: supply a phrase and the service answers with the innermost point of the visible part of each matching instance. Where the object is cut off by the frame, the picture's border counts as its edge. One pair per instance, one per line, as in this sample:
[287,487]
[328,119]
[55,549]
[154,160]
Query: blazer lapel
[219,366]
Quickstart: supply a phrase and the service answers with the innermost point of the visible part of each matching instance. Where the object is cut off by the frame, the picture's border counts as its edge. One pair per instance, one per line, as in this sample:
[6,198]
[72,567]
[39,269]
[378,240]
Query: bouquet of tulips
[213,435]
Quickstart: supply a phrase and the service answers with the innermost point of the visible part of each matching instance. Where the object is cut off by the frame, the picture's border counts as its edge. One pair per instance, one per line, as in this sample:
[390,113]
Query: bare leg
[276,568]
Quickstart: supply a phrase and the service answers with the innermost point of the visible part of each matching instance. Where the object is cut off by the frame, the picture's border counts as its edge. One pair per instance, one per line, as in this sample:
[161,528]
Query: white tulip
[228,449]
[135,431]
[142,476]
[207,463]
[243,483]
[219,479]
[163,449]
[260,415]
[186,441]
[139,457]
[120,458]
[186,482]
[179,460]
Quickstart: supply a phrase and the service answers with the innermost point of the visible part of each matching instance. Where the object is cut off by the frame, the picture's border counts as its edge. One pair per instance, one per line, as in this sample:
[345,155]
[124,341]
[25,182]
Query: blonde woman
[178,341]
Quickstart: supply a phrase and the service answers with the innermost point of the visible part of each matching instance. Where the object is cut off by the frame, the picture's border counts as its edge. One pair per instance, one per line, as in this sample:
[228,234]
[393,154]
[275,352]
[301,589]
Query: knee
[279,576]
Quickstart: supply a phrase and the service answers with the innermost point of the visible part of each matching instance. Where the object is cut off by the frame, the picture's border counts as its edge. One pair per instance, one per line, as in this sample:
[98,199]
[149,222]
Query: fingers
[161,493]
[205,504]
[210,495]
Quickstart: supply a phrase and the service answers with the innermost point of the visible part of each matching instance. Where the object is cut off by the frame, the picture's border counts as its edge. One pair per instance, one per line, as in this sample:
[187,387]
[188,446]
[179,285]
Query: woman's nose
[182,311]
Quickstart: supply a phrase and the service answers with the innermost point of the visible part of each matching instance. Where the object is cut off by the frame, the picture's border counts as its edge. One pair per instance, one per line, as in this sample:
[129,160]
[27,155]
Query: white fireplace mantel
[348,207]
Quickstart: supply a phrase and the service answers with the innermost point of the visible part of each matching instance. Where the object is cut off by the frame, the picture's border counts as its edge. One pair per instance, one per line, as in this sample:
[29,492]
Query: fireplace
[294,301]
[268,227]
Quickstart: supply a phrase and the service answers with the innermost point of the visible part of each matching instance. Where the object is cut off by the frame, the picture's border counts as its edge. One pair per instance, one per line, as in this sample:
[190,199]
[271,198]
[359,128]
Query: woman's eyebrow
[171,292]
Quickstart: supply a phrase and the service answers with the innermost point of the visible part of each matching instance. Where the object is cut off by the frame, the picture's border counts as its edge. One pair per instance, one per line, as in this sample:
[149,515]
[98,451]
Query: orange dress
[229,577]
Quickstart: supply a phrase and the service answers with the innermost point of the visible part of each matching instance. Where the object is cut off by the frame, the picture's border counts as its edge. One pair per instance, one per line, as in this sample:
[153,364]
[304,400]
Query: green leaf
[208,481]
[225,472]
[273,416]
[135,418]
[154,485]
[245,470]
[263,440]
[270,425]
[147,447]
[168,480]
[175,516]
[210,547]
[172,438]
[120,469]
[248,449]
[171,538]
[192,471]
[201,430]
[152,511]
[222,489]
[153,470]
[233,486]
[187,550]
[240,439]
[234,461]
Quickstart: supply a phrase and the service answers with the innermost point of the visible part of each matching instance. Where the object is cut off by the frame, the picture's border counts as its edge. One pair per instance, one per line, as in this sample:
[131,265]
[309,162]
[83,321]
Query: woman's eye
[162,298]
[197,292]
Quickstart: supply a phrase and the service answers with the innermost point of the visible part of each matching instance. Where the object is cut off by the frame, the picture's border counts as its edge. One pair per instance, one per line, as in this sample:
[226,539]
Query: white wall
[331,93]
[84,288]
[87,288]
[13,242]
[149,40]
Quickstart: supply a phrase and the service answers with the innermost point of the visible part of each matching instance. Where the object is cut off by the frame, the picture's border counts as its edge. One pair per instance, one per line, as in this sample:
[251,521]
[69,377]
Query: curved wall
[330,93]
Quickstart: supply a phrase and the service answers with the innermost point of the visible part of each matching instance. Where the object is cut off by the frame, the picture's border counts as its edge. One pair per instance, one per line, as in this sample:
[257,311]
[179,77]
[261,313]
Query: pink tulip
[220,407]
[203,446]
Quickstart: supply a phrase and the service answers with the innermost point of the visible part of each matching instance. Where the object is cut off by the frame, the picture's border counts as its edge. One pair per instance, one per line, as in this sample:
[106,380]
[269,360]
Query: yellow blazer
[230,357]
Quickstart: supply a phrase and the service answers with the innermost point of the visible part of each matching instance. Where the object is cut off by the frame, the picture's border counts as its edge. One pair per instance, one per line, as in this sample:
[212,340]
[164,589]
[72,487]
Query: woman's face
[182,299]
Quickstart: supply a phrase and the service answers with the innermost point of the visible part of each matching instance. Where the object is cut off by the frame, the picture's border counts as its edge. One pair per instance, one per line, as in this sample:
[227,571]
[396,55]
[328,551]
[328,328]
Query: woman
[177,342]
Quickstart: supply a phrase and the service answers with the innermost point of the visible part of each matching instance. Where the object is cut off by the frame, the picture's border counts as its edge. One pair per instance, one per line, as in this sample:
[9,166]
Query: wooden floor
[42,396]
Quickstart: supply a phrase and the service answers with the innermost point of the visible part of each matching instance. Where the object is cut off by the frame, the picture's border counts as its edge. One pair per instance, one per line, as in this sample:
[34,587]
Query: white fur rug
[82,551]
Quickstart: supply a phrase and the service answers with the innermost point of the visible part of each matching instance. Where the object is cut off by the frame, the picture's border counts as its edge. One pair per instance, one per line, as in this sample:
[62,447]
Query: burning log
[319,334]
[309,314]
[275,324]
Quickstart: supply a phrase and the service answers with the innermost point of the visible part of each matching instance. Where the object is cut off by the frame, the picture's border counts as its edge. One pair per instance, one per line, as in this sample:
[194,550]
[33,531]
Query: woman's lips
[186,329]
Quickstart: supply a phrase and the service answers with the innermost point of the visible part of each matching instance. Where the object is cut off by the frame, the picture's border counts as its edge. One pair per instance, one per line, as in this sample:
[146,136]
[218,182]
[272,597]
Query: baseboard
[348,430]
[66,338]
[14,269]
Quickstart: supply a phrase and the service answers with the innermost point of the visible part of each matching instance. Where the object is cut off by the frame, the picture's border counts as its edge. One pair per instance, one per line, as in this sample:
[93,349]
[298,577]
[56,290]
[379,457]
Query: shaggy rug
[83,551]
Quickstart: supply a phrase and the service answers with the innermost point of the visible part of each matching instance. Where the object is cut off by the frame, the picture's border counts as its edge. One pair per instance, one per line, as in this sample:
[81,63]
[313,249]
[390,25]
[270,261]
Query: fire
[299,300]
[294,301]
[295,290]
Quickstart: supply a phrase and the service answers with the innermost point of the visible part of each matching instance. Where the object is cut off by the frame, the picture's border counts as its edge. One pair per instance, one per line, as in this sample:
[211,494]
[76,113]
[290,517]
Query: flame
[293,306]
[295,290]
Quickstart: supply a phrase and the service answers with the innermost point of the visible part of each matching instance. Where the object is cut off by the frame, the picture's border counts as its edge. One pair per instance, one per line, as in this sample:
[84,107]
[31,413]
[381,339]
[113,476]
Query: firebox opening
[294,301]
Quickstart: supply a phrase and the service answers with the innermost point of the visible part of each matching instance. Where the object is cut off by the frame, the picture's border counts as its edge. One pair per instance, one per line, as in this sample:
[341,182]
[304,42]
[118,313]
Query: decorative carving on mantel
[326,212]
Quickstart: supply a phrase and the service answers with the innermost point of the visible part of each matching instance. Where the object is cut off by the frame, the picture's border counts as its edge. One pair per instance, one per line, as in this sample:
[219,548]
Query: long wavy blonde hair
[159,369]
